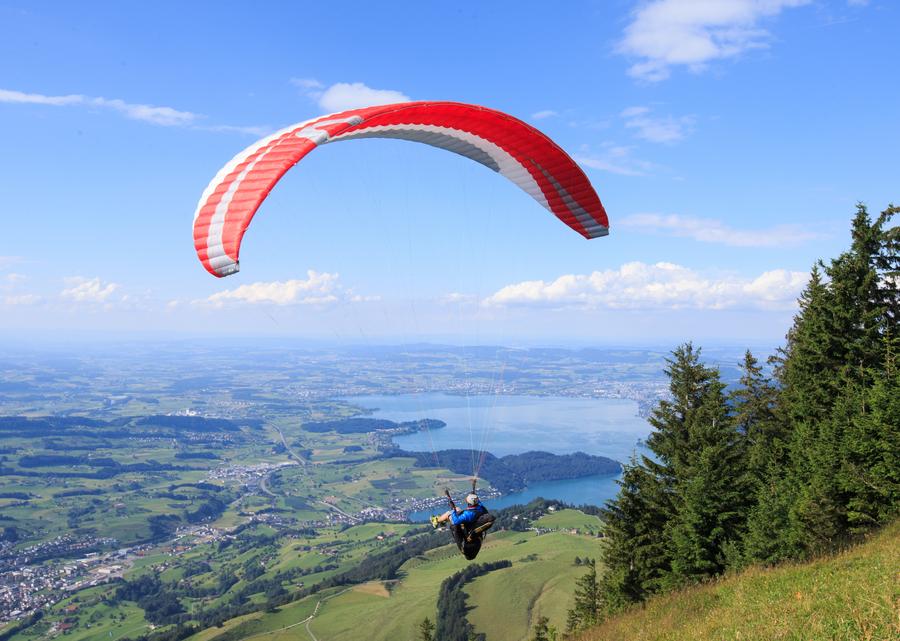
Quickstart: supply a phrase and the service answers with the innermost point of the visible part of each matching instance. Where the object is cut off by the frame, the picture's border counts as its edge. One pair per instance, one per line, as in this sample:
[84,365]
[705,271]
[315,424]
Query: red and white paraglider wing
[505,144]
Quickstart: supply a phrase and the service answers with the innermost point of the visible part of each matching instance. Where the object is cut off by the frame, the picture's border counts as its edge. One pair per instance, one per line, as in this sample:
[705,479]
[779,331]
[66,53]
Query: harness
[481,525]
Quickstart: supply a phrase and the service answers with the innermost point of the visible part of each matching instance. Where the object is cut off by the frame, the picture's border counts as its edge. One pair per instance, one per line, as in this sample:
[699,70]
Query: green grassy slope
[569,520]
[415,596]
[851,596]
[542,576]
[506,603]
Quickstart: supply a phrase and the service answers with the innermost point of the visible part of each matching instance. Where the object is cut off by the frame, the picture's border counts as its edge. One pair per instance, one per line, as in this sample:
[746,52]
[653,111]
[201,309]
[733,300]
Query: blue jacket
[469,515]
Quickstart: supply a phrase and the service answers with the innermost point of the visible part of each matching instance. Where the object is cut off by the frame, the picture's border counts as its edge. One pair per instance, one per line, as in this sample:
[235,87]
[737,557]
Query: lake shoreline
[506,424]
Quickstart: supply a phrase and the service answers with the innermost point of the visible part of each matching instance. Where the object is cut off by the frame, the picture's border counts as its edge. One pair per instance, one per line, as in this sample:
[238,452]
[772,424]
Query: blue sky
[728,140]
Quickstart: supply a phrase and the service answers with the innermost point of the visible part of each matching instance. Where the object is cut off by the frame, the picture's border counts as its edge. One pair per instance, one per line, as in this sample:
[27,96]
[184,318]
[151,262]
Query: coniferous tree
[633,522]
[871,465]
[670,442]
[753,407]
[838,350]
[541,630]
[426,630]
[711,491]
[838,347]
[586,610]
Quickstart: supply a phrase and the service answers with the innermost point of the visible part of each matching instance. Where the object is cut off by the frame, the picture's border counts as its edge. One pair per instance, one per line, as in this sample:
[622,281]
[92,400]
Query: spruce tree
[870,475]
[633,523]
[426,630]
[711,491]
[586,610]
[753,407]
[541,630]
[670,442]
[836,350]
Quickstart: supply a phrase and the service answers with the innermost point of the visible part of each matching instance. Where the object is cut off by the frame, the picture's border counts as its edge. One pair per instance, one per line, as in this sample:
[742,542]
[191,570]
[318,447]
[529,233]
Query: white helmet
[472,499]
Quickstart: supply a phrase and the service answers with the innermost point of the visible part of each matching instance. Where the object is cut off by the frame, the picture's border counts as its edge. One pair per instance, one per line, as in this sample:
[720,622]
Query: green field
[569,520]
[852,596]
[541,581]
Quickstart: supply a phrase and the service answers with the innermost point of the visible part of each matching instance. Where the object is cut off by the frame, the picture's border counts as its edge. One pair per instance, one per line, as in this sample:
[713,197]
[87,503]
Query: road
[290,451]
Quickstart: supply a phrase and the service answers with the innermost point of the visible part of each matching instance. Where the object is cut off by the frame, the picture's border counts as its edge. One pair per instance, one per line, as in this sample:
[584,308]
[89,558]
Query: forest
[513,472]
[797,460]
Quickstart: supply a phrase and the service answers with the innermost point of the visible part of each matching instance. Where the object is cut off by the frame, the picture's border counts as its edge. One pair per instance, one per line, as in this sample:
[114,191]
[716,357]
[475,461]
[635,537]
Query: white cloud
[10,283]
[19,97]
[709,230]
[88,290]
[546,113]
[307,83]
[343,95]
[318,289]
[639,285]
[347,95]
[615,159]
[165,116]
[693,33]
[21,299]
[662,129]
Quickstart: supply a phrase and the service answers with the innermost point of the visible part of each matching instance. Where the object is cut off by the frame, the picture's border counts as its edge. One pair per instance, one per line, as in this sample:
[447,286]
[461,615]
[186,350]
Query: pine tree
[670,442]
[633,522]
[541,630]
[586,610]
[871,465]
[711,489]
[753,407]
[426,630]
[757,415]
[835,352]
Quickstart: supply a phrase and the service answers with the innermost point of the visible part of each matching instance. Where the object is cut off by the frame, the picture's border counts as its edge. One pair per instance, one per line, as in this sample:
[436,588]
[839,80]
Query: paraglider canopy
[497,140]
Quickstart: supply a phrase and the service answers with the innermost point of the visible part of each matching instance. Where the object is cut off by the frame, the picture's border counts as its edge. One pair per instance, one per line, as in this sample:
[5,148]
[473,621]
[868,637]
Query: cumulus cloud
[88,290]
[640,285]
[661,129]
[709,230]
[546,113]
[693,33]
[615,159]
[319,288]
[346,95]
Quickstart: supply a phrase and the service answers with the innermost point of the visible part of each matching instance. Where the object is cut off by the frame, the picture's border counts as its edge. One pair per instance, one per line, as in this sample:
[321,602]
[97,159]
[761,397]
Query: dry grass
[375,588]
[852,596]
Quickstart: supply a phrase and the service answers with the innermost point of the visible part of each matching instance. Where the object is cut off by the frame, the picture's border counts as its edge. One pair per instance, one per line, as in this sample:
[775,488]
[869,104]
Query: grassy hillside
[537,563]
[570,520]
[541,581]
[852,596]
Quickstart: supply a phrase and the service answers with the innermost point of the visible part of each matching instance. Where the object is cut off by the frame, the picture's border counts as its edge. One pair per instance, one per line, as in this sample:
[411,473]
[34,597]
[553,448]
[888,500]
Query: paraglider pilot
[467,526]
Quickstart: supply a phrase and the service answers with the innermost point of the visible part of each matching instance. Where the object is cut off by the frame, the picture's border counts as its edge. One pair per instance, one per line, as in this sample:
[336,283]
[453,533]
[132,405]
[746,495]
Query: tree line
[451,622]
[790,462]
[514,471]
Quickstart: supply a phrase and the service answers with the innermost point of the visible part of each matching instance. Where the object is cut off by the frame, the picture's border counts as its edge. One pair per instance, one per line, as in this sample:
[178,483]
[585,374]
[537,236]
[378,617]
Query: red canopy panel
[505,144]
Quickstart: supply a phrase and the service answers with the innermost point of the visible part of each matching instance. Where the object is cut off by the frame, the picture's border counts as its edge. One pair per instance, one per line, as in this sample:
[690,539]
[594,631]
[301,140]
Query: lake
[515,424]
